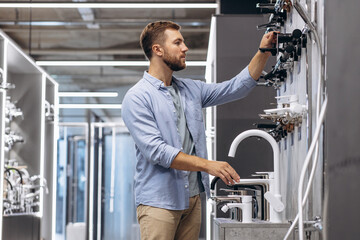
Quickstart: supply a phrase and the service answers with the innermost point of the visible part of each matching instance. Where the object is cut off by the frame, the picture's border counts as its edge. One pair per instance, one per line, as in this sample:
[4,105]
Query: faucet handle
[270,175]
[274,201]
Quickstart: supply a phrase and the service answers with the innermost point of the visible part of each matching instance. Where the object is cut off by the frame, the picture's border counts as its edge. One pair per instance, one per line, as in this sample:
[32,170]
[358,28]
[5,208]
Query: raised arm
[257,63]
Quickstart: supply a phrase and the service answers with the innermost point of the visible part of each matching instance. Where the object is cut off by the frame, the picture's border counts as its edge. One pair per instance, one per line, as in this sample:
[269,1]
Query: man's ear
[157,49]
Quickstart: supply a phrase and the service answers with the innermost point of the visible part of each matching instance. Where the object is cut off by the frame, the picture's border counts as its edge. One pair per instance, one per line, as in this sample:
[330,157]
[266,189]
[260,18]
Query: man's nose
[185,48]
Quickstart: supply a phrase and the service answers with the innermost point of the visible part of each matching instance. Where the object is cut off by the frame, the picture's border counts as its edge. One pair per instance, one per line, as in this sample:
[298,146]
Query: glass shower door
[71,192]
[115,216]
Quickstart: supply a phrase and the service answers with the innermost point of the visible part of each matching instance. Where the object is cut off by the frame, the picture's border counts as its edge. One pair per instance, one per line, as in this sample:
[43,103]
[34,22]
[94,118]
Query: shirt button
[186,186]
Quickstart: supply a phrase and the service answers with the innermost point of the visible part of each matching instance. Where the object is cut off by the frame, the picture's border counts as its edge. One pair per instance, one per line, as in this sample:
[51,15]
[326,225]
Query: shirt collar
[158,83]
[177,82]
[153,80]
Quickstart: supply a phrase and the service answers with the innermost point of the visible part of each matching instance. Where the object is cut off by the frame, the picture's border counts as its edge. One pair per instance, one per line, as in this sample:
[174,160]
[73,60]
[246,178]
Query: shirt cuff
[172,153]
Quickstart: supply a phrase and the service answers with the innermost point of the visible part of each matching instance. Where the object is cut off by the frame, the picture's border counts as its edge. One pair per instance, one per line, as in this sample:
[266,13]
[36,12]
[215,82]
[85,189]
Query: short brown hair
[154,32]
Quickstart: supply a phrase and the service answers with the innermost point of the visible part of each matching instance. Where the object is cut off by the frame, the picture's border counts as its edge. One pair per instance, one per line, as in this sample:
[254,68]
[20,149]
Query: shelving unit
[2,126]
[34,93]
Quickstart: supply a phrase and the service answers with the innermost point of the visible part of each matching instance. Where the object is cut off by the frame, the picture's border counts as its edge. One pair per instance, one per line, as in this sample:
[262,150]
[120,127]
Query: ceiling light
[109,5]
[87,94]
[93,63]
[90,106]
[109,63]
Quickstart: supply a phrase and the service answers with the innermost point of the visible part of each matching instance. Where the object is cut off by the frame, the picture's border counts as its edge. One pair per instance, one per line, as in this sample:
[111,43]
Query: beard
[173,63]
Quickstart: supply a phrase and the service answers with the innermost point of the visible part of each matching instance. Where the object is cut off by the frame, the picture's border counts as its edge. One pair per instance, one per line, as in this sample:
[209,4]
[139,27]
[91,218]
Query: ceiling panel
[113,34]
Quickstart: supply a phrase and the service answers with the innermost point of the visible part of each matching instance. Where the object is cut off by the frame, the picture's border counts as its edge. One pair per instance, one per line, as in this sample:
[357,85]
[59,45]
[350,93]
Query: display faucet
[273,196]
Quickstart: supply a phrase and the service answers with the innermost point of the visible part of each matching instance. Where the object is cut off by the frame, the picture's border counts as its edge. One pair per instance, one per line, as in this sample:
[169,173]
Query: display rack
[28,145]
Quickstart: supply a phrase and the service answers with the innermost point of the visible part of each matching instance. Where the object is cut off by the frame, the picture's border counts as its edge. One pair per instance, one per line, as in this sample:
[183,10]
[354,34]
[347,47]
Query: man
[164,116]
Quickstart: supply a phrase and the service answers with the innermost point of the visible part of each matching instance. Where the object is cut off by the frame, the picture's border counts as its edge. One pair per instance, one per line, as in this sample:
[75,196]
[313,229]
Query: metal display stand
[28,144]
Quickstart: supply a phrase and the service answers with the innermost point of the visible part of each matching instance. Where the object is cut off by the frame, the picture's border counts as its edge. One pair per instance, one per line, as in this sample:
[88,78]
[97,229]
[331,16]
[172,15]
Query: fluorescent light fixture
[93,63]
[87,94]
[109,63]
[90,106]
[109,5]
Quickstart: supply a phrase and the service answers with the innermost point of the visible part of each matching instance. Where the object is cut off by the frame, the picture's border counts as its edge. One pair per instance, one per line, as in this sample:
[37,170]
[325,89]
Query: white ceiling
[101,34]
[113,34]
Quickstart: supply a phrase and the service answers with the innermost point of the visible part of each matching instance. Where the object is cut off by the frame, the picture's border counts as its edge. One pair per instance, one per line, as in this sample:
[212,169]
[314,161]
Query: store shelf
[33,93]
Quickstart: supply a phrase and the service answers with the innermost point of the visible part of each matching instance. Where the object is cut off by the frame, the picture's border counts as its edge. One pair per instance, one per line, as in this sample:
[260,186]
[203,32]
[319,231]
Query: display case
[28,98]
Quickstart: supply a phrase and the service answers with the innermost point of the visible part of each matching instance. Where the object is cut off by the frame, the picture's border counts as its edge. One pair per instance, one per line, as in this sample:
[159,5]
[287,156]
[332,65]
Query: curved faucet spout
[274,195]
[274,145]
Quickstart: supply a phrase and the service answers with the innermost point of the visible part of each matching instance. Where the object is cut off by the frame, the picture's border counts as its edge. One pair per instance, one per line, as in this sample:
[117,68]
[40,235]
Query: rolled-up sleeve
[143,128]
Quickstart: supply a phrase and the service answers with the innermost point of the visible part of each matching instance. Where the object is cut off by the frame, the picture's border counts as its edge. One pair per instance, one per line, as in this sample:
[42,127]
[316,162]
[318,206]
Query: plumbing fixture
[314,226]
[273,195]
[6,86]
[11,111]
[273,51]
[286,55]
[277,131]
[49,111]
[266,6]
[274,78]
[258,200]
[245,206]
[261,207]
[275,22]
[257,190]
[235,213]
[41,179]
[8,170]
[278,74]
[278,12]
[22,193]
[293,37]
[288,104]
[266,125]
[270,83]
[11,138]
[289,112]
[283,5]
[296,41]
[289,44]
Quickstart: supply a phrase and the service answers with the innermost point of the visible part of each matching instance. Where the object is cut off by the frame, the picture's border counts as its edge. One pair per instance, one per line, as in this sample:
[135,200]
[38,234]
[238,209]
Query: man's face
[174,50]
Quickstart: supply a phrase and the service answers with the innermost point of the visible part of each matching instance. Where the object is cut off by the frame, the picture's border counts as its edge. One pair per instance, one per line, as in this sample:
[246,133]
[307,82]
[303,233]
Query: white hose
[306,163]
[308,187]
[303,171]
[319,121]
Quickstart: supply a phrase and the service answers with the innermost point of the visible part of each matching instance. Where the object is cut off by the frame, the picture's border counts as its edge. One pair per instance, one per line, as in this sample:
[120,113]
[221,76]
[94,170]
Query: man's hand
[222,170]
[219,169]
[268,40]
[257,63]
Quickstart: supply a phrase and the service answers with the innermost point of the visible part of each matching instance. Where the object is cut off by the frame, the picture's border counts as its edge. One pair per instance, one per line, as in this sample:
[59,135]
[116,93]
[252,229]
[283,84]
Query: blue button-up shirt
[149,113]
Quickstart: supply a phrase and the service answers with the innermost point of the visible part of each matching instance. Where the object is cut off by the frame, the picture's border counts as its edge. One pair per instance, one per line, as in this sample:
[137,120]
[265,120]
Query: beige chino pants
[162,224]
